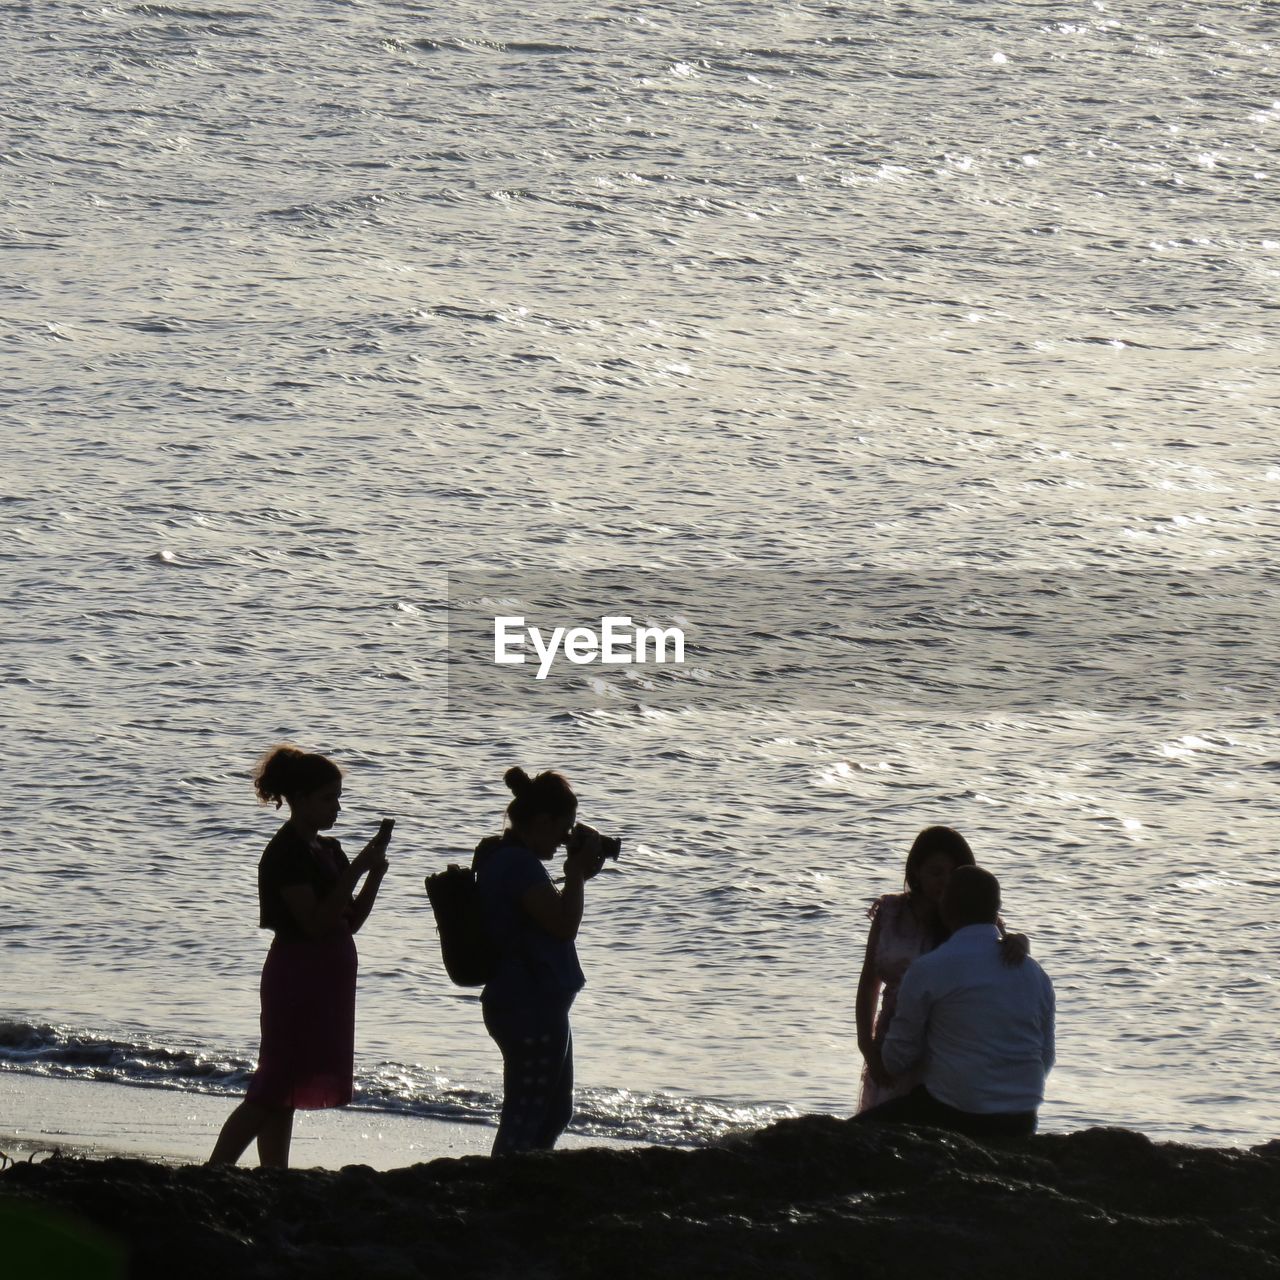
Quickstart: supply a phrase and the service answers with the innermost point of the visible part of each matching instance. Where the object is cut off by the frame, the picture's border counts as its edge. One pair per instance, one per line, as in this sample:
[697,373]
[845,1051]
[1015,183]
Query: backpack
[465,945]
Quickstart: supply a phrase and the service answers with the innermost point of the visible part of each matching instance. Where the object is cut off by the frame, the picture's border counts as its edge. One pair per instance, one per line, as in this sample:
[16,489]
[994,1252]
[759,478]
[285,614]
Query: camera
[610,846]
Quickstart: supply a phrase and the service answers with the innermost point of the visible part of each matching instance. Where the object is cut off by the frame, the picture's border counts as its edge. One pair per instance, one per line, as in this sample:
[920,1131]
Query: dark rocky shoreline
[812,1197]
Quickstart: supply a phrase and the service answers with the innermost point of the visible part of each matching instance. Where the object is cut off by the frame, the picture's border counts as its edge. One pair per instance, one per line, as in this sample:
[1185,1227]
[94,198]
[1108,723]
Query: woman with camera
[536,974]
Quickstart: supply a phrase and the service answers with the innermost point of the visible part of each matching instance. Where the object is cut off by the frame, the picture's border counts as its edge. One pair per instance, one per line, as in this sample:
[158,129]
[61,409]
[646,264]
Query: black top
[290,860]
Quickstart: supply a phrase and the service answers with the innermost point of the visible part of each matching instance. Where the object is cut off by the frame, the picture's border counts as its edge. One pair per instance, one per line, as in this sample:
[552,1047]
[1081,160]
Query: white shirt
[982,1029]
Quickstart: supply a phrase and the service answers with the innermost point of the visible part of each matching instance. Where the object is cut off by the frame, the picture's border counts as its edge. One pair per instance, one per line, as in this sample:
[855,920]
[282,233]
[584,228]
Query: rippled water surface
[306,308]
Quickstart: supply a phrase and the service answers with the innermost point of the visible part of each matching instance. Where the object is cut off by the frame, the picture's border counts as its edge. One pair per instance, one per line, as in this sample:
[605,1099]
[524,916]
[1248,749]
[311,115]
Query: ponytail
[287,770]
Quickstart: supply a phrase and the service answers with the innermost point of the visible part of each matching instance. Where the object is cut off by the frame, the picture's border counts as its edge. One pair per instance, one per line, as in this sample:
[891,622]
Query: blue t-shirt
[532,963]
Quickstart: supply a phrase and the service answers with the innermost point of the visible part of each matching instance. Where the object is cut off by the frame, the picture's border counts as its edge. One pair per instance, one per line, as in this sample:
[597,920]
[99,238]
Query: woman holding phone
[307,896]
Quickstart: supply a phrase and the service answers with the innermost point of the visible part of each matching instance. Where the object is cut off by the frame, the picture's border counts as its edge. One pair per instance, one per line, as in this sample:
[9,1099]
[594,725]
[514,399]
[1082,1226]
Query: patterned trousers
[537,1073]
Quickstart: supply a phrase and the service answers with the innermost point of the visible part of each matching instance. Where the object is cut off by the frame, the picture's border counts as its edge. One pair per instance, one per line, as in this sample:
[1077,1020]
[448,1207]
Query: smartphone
[384,829]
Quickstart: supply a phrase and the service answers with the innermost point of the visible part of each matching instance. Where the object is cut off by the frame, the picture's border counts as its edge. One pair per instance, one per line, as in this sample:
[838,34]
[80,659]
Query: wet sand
[40,1116]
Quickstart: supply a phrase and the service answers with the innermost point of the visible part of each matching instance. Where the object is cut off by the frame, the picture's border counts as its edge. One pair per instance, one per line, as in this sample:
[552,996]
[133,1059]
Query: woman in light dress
[903,926]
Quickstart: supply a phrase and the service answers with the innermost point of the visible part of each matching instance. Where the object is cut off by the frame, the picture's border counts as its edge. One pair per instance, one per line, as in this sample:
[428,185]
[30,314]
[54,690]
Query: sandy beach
[40,1116]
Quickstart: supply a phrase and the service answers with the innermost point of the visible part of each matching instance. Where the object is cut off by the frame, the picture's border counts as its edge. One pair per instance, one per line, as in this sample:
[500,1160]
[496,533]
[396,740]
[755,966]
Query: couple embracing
[965,1035]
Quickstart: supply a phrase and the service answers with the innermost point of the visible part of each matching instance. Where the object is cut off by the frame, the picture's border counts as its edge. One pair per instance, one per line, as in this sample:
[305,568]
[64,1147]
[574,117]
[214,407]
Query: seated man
[981,1029]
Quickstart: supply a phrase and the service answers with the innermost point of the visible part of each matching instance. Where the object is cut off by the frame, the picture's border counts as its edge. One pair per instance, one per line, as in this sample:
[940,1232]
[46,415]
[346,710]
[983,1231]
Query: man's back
[983,1029]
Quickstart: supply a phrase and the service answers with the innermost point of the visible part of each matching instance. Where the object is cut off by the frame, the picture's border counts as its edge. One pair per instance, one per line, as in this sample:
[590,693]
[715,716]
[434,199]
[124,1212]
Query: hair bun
[548,793]
[518,782]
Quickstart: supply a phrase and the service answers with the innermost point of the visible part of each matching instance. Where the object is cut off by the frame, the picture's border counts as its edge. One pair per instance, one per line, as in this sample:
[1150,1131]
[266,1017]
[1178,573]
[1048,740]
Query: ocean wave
[495,46]
[331,213]
[194,15]
[62,1052]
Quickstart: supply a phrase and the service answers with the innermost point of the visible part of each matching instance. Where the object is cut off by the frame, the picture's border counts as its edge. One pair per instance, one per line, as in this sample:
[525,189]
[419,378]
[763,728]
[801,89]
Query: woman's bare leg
[274,1136]
[241,1127]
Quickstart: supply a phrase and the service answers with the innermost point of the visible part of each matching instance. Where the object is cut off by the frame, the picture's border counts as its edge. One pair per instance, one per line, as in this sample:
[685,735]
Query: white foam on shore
[39,1116]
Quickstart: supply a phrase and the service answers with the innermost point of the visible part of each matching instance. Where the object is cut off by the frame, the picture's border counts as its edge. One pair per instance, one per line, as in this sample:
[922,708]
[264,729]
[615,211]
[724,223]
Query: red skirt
[308,1024]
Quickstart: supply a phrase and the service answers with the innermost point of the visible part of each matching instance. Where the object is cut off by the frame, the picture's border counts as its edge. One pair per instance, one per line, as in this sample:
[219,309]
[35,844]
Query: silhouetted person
[532,925]
[305,887]
[905,926]
[981,1029]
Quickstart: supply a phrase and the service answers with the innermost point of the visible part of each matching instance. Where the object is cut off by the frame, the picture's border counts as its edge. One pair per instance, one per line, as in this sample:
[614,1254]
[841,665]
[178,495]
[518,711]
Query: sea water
[921,355]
